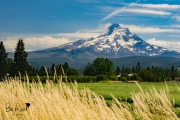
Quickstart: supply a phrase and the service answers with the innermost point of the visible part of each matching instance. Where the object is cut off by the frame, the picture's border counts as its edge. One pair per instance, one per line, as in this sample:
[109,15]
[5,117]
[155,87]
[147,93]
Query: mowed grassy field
[122,90]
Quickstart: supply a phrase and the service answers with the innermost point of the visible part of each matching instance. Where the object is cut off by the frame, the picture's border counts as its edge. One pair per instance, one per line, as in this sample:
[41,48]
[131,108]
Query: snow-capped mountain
[115,42]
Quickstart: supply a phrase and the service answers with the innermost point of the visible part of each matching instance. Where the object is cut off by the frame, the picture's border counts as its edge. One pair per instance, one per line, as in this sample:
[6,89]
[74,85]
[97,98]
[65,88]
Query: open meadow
[122,90]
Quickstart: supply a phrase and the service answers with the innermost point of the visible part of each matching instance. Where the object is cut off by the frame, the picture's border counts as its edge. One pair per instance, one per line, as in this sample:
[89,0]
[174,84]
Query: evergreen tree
[48,71]
[109,66]
[53,67]
[133,70]
[3,61]
[62,71]
[32,71]
[42,71]
[138,67]
[127,70]
[10,64]
[118,71]
[58,69]
[172,72]
[66,67]
[123,70]
[20,59]
[89,70]
[148,68]
[152,67]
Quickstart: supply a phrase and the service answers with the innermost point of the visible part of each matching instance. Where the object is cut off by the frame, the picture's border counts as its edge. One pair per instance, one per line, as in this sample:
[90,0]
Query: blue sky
[43,23]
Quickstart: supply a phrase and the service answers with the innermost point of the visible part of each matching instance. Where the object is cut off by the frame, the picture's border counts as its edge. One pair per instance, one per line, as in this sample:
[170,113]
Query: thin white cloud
[175,26]
[85,33]
[77,35]
[100,29]
[145,29]
[34,43]
[173,45]
[177,17]
[157,6]
[133,28]
[116,11]
[177,36]
[136,11]
[94,32]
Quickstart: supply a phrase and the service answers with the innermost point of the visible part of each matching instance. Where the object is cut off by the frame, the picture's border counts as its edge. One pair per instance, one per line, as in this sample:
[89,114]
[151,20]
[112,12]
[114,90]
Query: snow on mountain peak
[116,28]
[116,40]
[112,28]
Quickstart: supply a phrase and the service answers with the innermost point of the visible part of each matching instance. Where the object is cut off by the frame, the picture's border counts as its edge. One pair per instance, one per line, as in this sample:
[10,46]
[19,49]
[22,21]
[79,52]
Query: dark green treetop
[118,71]
[72,72]
[100,66]
[3,61]
[65,67]
[20,62]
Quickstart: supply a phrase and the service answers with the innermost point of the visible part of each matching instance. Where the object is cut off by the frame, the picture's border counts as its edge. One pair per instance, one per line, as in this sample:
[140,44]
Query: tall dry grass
[60,102]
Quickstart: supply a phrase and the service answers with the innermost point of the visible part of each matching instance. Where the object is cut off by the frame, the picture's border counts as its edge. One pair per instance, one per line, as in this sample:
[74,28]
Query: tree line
[59,69]
[16,66]
[105,68]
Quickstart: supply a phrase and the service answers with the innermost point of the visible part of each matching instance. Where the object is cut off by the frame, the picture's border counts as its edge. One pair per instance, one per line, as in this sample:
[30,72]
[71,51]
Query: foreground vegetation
[35,101]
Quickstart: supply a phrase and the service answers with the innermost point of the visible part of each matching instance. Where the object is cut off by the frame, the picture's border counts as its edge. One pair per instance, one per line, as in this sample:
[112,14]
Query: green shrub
[124,79]
[125,75]
[168,79]
[134,77]
[139,79]
[101,77]
[81,79]
[113,77]
[72,78]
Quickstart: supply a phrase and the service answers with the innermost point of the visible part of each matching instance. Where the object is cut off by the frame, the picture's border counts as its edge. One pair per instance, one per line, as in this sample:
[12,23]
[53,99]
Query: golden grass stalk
[54,102]
[150,104]
[60,102]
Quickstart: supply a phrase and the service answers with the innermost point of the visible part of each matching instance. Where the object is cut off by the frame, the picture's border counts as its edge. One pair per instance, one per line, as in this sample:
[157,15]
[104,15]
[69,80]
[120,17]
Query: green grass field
[123,90]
